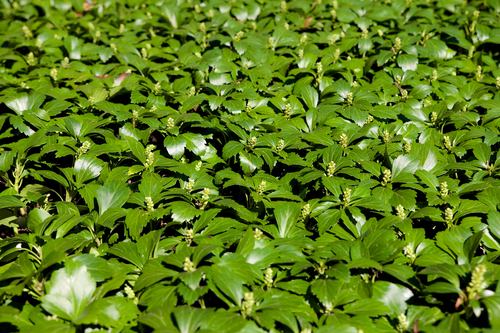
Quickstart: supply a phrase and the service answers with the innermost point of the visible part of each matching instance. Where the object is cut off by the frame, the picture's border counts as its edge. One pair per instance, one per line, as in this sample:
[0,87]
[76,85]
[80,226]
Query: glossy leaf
[69,292]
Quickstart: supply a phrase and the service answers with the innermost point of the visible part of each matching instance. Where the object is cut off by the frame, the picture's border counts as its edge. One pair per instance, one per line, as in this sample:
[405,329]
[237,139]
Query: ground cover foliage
[249,166]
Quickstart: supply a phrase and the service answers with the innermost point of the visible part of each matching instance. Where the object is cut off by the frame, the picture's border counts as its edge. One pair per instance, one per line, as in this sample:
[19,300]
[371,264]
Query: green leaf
[493,306]
[10,201]
[228,276]
[309,95]
[392,295]
[137,253]
[137,149]
[128,251]
[87,168]
[482,152]
[408,62]
[152,185]
[183,211]
[111,195]
[231,149]
[23,103]
[175,146]
[494,223]
[195,143]
[188,319]
[471,244]
[6,160]
[69,292]
[135,221]
[115,312]
[153,272]
[403,163]
[366,306]
[99,268]
[428,178]
[249,162]
[286,215]
[333,292]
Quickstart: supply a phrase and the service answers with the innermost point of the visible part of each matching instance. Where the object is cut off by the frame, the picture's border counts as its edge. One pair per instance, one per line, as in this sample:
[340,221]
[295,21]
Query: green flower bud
[54,73]
[434,75]
[477,283]
[306,210]
[281,145]
[31,60]
[189,236]
[189,185]
[448,216]
[27,32]
[396,47]
[188,265]
[343,140]
[443,189]
[330,170]
[407,146]
[386,177]
[346,196]
[386,136]
[84,148]
[150,156]
[447,142]
[252,141]
[268,277]
[400,212]
[403,323]
[150,206]
[409,252]
[262,187]
[258,234]
[479,73]
[247,304]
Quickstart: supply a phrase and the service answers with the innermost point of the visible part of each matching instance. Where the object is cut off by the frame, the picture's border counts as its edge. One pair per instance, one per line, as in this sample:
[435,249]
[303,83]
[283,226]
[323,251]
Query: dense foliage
[249,166]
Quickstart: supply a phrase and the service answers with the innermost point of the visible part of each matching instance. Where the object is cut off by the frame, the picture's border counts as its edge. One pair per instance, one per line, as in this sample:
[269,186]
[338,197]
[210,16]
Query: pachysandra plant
[249,166]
